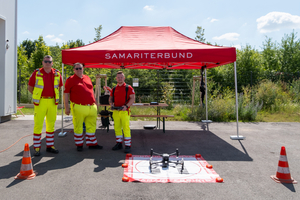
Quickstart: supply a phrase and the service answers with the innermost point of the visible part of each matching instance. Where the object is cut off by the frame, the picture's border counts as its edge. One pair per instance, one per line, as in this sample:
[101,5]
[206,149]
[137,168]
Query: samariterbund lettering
[147,55]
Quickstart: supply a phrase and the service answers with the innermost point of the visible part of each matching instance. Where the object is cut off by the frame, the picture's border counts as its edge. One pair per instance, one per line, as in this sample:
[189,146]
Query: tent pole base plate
[206,121]
[235,137]
[62,134]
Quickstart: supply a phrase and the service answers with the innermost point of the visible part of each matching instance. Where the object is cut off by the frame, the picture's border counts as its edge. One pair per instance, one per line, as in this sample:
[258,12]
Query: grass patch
[30,111]
[278,117]
[181,113]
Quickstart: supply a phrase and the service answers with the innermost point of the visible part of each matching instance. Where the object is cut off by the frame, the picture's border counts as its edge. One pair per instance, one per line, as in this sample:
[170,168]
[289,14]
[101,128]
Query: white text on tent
[147,55]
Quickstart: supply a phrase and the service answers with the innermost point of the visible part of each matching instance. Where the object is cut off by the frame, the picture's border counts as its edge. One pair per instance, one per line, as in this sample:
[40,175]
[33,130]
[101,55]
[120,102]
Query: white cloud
[49,36]
[73,20]
[149,8]
[57,40]
[214,20]
[25,33]
[227,36]
[274,21]
[60,35]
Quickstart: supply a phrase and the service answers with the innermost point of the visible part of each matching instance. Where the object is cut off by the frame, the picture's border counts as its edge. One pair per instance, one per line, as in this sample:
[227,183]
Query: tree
[200,34]
[270,56]
[29,47]
[290,53]
[77,43]
[23,75]
[38,55]
[98,33]
[248,62]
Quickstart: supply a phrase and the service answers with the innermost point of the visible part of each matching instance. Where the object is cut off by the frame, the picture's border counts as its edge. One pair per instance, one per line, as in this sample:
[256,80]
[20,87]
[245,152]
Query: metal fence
[176,85]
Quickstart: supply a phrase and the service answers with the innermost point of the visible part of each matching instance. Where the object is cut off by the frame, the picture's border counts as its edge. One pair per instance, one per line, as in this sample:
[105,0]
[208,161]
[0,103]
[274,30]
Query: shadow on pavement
[189,142]
[289,186]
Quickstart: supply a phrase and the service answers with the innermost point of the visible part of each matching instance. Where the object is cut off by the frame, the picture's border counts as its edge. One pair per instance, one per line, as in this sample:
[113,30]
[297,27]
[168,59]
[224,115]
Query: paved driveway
[244,165]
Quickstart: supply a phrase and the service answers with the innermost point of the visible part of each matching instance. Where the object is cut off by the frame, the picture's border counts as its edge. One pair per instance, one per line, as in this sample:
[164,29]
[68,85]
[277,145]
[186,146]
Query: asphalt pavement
[245,165]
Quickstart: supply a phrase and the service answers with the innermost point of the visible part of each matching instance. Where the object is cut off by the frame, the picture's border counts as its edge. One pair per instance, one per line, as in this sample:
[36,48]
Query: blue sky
[229,23]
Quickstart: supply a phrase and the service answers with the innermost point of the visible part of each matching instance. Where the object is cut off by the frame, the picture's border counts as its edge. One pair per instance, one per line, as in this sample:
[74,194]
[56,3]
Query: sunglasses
[78,68]
[46,61]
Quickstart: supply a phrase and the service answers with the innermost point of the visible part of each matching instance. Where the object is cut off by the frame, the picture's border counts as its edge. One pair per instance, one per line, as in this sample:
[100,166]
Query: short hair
[120,72]
[78,63]
[47,56]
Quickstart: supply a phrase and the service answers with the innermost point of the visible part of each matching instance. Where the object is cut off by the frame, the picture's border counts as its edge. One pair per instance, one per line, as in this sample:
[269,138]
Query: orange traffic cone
[26,171]
[283,173]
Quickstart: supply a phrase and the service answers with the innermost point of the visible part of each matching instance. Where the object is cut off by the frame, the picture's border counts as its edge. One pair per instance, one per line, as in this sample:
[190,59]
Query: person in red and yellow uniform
[118,98]
[79,90]
[44,85]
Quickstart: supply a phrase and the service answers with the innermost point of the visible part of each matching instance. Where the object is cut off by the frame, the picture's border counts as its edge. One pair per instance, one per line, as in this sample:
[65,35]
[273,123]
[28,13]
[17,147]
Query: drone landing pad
[194,171]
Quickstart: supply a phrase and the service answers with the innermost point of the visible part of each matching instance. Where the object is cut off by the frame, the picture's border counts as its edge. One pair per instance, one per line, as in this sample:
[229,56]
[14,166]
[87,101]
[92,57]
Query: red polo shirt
[80,89]
[48,79]
[120,93]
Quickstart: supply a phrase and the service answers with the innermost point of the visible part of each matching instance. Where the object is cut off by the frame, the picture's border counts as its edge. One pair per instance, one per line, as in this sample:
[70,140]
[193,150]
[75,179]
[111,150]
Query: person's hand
[67,110]
[124,108]
[111,105]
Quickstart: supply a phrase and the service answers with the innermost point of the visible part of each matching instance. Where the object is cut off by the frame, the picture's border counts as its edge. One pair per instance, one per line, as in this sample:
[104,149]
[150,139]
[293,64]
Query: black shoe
[117,146]
[127,149]
[52,150]
[79,148]
[37,152]
[96,147]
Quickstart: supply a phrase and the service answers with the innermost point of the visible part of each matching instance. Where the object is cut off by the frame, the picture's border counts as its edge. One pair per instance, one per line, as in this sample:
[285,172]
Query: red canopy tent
[146,47]
[141,47]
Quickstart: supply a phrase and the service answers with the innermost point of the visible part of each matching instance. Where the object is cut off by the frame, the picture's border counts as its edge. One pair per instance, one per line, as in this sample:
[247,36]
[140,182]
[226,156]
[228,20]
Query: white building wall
[8,58]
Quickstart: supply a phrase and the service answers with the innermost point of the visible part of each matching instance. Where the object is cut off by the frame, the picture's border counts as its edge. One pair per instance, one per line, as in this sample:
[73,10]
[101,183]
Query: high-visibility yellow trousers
[122,122]
[46,108]
[88,115]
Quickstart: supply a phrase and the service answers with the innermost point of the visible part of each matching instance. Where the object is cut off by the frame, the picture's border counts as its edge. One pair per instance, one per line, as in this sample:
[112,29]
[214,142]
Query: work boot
[96,147]
[52,150]
[127,149]
[117,146]
[37,152]
[79,148]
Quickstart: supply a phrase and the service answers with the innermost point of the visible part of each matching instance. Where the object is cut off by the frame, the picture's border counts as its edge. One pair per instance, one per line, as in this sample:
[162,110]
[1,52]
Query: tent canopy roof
[146,47]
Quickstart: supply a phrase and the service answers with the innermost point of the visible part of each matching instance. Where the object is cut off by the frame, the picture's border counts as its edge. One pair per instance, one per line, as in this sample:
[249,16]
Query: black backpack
[113,94]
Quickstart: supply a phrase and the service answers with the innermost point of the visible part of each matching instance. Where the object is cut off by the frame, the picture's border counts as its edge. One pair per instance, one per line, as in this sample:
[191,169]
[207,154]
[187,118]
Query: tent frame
[149,47]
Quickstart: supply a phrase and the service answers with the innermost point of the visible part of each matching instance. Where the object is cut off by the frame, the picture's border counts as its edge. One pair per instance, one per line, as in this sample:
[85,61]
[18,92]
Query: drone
[165,160]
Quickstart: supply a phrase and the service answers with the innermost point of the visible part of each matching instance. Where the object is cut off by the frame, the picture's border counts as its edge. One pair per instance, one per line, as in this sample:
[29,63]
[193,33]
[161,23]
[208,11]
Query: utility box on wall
[8,59]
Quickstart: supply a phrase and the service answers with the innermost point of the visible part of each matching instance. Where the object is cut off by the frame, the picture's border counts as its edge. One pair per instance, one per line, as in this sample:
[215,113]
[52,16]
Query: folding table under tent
[147,47]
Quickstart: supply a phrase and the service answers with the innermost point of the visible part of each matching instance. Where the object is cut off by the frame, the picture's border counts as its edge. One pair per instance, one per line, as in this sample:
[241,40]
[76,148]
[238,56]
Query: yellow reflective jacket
[39,86]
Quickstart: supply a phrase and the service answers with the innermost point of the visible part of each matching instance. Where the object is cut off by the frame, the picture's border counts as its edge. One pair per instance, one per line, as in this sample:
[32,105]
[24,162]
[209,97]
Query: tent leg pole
[206,95]
[62,133]
[237,137]
[193,93]
[206,121]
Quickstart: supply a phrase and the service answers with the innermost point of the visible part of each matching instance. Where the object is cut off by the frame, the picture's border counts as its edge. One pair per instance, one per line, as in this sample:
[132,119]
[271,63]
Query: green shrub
[182,111]
[168,92]
[294,91]
[248,109]
[271,95]
[26,96]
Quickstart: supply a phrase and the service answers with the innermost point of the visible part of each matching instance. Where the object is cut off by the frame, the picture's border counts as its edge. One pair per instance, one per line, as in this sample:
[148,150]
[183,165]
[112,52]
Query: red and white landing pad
[196,170]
